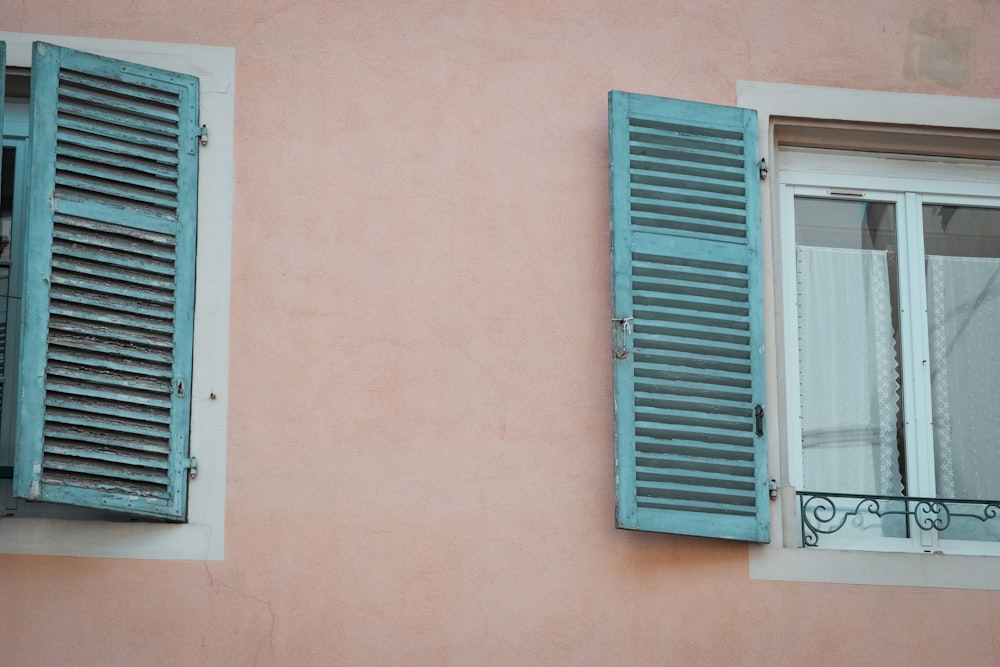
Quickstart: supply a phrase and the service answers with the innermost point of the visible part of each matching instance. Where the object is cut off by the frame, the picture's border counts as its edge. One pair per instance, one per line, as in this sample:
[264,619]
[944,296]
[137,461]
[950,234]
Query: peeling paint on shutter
[687,295]
[109,285]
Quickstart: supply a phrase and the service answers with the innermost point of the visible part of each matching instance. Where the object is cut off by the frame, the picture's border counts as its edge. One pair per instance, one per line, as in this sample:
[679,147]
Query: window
[724,382]
[895,284]
[116,388]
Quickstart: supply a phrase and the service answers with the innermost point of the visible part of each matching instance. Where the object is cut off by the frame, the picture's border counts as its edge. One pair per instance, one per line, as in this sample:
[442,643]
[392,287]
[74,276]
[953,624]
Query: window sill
[935,570]
[787,560]
[109,539]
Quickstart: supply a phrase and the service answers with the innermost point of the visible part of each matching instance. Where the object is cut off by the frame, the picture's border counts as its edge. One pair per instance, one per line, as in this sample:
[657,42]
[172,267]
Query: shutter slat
[718,396]
[651,191]
[103,403]
[127,172]
[127,365]
[720,162]
[92,266]
[696,450]
[118,340]
[702,506]
[721,495]
[113,137]
[701,347]
[84,109]
[684,402]
[668,477]
[672,178]
[686,277]
[60,384]
[120,189]
[81,437]
[108,469]
[74,416]
[694,332]
[137,382]
[110,94]
[114,152]
[680,462]
[649,426]
[74,283]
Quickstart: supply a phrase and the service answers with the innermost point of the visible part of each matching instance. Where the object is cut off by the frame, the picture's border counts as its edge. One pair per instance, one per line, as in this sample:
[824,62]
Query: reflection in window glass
[963,319]
[848,347]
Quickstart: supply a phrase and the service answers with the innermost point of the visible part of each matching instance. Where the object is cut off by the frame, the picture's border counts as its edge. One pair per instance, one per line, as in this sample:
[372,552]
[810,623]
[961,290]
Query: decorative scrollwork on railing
[827,513]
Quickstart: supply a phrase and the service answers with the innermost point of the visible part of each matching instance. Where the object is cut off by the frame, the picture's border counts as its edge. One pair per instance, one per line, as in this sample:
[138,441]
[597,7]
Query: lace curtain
[849,380]
[964,319]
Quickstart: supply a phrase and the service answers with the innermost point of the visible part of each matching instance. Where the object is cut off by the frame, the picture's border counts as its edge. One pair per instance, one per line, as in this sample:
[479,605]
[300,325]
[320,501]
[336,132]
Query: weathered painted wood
[109,285]
[686,281]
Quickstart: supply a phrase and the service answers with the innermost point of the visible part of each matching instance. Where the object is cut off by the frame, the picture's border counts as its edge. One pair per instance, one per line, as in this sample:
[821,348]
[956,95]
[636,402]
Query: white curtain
[964,318]
[849,378]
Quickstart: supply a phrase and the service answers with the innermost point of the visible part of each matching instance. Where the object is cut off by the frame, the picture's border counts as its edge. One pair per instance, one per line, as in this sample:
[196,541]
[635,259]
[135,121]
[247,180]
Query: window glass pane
[848,351]
[963,311]
[6,226]
[6,205]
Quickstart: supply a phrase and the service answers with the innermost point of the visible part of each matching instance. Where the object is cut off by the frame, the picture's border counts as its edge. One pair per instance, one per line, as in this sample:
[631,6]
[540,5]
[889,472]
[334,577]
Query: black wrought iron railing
[827,513]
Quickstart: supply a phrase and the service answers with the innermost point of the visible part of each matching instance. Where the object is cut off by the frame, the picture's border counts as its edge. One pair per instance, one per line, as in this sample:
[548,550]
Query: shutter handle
[758,419]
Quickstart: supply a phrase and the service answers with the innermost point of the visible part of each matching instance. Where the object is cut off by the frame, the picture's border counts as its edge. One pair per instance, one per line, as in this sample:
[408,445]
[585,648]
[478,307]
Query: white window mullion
[916,378]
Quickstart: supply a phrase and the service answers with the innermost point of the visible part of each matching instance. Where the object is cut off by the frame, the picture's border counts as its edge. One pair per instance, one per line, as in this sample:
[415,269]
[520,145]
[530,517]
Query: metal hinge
[619,336]
[192,466]
[203,135]
[762,165]
[772,488]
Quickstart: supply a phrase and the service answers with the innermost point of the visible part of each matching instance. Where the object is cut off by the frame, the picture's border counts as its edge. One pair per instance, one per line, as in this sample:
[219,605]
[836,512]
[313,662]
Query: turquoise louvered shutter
[104,403]
[688,339]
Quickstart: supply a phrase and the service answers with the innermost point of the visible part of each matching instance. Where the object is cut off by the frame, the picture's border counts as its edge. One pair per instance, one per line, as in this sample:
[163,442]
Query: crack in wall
[267,642]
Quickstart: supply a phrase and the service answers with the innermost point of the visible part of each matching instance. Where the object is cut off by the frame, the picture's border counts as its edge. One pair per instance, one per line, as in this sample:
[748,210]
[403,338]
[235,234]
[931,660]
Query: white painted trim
[783,558]
[202,537]
[867,106]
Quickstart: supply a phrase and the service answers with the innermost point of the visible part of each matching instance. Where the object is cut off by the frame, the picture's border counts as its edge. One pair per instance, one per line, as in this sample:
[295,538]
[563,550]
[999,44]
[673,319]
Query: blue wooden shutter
[104,404]
[688,338]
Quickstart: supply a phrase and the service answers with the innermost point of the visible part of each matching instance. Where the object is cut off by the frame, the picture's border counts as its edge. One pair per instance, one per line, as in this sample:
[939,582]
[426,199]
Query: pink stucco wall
[420,427]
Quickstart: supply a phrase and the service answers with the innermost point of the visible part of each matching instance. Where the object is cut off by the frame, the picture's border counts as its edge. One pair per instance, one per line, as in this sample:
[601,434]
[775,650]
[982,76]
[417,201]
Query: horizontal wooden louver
[109,314]
[686,279]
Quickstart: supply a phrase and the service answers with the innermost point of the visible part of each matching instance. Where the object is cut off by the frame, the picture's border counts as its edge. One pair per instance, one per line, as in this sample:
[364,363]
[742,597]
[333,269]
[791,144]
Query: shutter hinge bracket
[762,165]
[772,488]
[622,328]
[203,135]
[192,466]
[758,419]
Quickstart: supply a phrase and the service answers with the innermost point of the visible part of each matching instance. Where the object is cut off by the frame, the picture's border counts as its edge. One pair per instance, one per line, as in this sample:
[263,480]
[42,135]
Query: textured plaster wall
[420,424]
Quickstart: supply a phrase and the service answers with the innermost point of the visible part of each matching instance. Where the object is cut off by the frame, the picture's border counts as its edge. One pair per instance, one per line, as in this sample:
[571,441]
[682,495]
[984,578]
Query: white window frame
[906,183]
[784,558]
[202,536]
